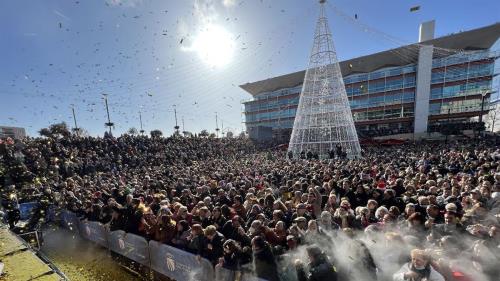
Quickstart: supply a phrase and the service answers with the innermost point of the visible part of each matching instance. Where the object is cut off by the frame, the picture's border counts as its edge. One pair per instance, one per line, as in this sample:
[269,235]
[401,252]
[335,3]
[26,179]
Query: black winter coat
[265,265]
[321,270]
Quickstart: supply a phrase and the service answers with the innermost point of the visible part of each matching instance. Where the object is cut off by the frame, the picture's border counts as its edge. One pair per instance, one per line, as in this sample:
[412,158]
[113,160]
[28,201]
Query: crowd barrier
[161,258]
[25,209]
[52,214]
[129,245]
[177,264]
[95,232]
[222,274]
[70,221]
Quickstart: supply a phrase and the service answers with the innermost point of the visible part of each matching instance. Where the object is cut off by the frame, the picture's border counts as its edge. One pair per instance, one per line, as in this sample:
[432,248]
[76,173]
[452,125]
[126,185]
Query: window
[437,77]
[409,81]
[436,93]
[434,108]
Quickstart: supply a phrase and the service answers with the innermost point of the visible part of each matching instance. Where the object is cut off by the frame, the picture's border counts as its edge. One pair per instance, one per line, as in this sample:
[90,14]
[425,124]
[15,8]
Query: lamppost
[448,127]
[140,120]
[175,114]
[109,123]
[483,97]
[216,125]
[75,129]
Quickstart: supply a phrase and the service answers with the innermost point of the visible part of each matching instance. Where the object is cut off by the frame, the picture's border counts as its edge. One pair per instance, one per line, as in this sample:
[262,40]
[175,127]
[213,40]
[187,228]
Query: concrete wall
[426,31]
[424,69]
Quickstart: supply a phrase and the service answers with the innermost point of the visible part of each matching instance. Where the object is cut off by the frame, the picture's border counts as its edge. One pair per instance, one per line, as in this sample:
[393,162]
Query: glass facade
[459,82]
[384,99]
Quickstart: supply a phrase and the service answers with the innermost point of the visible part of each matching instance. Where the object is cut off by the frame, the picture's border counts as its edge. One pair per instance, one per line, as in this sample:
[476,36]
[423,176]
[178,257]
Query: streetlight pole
[483,96]
[494,118]
[448,126]
[109,123]
[175,115]
[222,130]
[76,129]
[140,120]
[216,124]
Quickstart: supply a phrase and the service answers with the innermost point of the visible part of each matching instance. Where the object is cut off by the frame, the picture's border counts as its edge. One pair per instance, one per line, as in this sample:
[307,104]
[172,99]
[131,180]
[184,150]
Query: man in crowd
[319,267]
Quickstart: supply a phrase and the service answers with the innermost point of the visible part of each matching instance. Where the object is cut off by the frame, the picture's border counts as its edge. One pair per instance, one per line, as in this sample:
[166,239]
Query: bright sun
[214,45]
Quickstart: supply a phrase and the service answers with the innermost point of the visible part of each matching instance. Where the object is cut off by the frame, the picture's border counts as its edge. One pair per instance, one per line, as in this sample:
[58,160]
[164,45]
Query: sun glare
[214,45]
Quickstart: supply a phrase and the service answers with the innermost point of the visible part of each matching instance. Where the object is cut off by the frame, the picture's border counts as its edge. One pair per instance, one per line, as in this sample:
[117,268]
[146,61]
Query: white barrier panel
[129,245]
[179,265]
[94,231]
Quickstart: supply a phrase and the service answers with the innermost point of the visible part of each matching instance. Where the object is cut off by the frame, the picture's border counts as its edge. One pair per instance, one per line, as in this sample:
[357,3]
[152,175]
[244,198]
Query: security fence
[162,259]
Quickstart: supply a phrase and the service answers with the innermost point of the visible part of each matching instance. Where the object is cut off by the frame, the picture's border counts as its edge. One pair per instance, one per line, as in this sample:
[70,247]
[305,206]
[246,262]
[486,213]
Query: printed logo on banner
[121,243]
[170,262]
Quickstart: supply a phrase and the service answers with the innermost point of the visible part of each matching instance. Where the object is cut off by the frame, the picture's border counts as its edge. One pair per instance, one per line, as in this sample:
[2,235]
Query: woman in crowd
[182,235]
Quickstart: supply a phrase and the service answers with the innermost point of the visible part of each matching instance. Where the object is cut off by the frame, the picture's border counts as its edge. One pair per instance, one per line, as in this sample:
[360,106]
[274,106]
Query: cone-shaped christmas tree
[323,122]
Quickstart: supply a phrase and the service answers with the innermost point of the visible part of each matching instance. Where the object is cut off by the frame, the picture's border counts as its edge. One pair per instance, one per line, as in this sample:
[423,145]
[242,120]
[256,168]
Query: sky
[145,54]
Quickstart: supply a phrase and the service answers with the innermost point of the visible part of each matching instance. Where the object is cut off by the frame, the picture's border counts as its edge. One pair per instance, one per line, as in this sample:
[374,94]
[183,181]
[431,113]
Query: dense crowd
[424,211]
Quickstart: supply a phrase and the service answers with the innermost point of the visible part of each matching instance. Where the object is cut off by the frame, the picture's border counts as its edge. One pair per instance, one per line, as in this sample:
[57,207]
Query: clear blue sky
[55,53]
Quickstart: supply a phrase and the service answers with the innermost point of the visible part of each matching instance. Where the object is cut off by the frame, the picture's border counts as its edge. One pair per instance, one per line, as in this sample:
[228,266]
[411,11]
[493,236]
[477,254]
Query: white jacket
[399,276]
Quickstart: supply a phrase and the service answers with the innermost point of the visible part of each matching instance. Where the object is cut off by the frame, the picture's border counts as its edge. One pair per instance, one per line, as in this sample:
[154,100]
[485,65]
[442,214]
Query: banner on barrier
[251,277]
[51,214]
[179,265]
[70,221]
[94,231]
[129,245]
[224,274]
[26,209]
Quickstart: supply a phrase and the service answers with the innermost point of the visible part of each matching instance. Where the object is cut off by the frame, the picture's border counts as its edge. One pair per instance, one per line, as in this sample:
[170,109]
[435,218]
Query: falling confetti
[414,9]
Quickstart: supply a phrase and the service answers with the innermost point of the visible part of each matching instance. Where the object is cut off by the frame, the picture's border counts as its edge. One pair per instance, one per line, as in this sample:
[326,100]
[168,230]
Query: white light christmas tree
[323,120]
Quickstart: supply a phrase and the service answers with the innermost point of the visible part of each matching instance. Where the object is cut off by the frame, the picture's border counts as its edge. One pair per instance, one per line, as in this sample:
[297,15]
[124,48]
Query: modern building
[12,132]
[430,86]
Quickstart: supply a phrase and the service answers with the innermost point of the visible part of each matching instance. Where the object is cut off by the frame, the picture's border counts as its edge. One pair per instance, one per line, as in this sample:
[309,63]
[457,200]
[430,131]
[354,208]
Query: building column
[423,89]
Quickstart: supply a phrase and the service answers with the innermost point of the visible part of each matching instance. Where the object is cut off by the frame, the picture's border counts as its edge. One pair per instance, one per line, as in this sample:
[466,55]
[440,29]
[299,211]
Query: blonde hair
[210,230]
[420,253]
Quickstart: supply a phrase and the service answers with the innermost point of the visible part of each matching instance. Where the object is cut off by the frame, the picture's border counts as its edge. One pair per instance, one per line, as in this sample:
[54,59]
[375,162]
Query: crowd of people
[420,211]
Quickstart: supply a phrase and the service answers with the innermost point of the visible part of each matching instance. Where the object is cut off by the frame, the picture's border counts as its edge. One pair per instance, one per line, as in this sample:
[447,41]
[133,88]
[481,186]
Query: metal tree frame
[323,118]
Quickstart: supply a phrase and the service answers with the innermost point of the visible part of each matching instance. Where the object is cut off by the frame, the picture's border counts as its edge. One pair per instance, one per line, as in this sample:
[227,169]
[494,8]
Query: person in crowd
[233,229]
[117,221]
[134,216]
[164,229]
[213,244]
[182,235]
[233,255]
[264,262]
[149,223]
[419,269]
[196,240]
[217,219]
[326,222]
[451,227]
[319,267]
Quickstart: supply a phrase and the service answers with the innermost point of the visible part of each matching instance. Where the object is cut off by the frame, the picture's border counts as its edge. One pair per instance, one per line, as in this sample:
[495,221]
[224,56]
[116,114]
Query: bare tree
[55,131]
[156,133]
[492,120]
[132,131]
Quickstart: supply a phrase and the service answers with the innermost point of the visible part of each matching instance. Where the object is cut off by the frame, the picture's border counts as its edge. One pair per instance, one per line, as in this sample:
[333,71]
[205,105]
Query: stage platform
[21,262]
